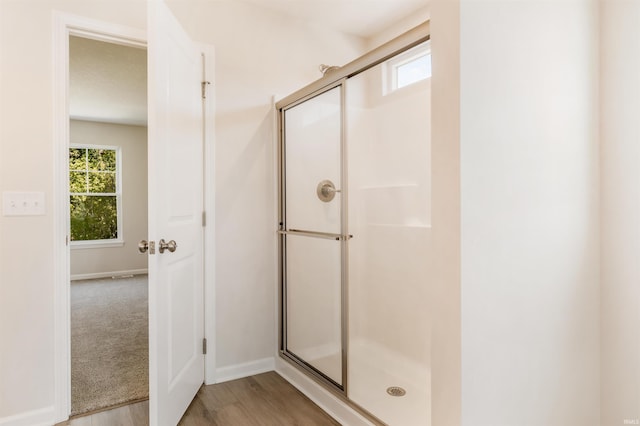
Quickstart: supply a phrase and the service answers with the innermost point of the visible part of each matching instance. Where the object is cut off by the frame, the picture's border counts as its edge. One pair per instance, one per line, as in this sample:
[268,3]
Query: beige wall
[444,294]
[133,143]
[26,164]
[400,27]
[529,312]
[620,151]
[530,213]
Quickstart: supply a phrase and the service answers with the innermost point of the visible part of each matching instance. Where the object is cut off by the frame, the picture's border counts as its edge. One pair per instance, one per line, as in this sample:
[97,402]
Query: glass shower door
[312,229]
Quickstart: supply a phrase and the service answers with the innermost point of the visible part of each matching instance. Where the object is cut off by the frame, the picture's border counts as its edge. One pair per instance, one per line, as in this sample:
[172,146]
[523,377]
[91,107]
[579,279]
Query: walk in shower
[355,230]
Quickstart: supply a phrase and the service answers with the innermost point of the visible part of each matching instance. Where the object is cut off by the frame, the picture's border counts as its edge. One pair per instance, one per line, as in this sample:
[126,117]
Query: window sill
[80,245]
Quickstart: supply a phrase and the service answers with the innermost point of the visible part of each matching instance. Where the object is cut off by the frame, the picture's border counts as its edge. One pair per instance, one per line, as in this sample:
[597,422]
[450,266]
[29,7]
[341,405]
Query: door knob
[163,245]
[144,246]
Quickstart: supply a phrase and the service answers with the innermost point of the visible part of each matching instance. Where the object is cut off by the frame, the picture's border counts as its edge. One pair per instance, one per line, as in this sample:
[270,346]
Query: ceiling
[108,82]
[364,18]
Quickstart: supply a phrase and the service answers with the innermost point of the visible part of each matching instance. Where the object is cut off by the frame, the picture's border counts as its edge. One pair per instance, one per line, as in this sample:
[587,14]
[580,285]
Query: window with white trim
[408,68]
[95,195]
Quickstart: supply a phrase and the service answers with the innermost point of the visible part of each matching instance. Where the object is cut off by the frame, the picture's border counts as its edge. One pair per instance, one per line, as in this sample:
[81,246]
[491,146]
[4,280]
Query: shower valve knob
[326,191]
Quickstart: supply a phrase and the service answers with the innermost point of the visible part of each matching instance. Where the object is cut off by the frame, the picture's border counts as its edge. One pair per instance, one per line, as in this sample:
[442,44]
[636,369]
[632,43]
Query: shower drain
[396,391]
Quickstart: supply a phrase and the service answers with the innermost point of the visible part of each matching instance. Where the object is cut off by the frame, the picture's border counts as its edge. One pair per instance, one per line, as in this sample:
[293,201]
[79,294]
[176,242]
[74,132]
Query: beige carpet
[109,343]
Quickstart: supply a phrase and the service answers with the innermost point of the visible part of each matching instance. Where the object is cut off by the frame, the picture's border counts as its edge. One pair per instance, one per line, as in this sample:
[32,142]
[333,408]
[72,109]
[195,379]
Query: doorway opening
[167,46]
[107,205]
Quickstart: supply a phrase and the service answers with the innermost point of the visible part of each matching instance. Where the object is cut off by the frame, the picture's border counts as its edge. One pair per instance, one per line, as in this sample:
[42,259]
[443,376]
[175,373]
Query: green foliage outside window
[93,188]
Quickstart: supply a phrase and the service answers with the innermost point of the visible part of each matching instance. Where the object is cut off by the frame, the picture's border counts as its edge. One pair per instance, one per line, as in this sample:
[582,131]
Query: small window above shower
[408,68]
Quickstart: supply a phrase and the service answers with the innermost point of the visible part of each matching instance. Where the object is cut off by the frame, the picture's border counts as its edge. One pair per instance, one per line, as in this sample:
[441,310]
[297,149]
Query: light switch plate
[23,203]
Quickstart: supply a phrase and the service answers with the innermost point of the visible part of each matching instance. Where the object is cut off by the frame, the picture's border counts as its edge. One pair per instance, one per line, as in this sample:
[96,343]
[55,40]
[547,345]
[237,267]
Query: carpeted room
[109,342]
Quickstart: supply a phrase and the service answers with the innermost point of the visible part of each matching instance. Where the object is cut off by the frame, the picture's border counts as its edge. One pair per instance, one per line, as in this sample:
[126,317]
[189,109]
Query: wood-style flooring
[262,400]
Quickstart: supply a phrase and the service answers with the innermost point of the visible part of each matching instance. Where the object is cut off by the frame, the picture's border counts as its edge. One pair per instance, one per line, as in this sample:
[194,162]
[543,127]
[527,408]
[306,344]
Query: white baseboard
[324,399]
[42,417]
[95,275]
[246,369]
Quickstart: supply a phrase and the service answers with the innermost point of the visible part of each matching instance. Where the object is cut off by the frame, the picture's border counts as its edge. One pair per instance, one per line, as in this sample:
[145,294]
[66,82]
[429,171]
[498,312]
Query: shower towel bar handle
[316,234]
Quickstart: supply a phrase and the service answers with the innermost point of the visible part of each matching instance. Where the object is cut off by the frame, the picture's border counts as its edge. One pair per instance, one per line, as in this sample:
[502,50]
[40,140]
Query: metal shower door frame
[343,238]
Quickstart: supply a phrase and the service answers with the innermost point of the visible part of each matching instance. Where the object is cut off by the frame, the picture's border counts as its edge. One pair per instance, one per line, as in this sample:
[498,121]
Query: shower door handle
[316,234]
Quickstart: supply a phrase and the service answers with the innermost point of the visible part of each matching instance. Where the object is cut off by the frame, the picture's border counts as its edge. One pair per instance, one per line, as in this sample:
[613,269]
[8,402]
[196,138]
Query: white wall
[258,54]
[620,150]
[26,164]
[132,140]
[530,213]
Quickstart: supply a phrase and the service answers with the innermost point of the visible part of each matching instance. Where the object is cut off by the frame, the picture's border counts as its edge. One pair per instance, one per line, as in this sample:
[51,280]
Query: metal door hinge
[204,346]
[66,240]
[204,218]
[204,85]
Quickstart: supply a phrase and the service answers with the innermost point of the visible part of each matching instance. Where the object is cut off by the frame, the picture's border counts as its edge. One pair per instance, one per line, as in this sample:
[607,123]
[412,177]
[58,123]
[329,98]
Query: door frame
[65,25]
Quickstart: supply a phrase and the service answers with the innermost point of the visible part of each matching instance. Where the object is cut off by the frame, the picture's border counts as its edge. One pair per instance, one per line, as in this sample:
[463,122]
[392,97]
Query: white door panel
[176,317]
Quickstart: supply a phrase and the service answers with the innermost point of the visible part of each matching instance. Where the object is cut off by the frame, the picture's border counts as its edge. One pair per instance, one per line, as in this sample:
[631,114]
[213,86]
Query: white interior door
[176,320]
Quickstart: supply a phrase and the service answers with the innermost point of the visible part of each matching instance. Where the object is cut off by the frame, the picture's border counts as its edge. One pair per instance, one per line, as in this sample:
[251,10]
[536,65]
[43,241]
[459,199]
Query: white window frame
[114,242]
[390,69]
